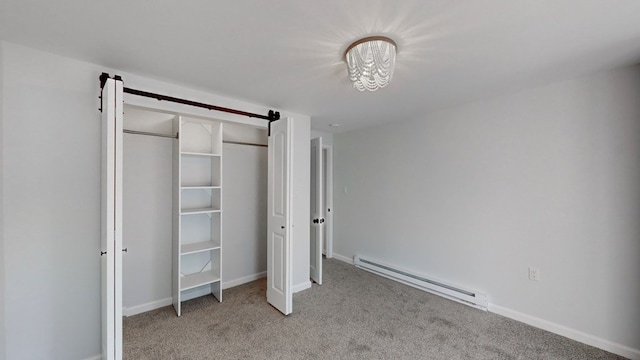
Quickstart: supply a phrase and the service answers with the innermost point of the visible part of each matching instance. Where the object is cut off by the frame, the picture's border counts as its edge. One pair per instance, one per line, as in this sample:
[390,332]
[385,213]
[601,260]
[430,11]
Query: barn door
[317,210]
[279,249]
[111,229]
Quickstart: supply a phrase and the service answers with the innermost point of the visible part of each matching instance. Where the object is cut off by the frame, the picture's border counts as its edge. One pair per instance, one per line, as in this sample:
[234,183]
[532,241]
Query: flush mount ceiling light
[370,62]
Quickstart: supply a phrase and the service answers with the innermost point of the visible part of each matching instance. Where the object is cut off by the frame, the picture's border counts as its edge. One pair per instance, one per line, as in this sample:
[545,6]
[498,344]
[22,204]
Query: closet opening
[222,220]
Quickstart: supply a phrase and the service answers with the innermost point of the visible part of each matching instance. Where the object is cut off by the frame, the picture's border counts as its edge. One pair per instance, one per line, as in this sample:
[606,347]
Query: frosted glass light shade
[370,62]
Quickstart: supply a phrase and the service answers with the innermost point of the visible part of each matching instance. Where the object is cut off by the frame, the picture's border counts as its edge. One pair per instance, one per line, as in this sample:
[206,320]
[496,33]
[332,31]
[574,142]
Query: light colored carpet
[353,315]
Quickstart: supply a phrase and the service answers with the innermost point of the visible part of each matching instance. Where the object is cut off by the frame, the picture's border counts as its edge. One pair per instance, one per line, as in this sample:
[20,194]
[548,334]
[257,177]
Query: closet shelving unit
[197,202]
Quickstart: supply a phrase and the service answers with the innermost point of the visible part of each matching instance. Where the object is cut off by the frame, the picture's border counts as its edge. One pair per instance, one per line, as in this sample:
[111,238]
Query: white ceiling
[287,54]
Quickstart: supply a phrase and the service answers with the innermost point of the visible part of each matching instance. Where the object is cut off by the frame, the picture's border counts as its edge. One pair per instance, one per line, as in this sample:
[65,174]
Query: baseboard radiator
[422,282]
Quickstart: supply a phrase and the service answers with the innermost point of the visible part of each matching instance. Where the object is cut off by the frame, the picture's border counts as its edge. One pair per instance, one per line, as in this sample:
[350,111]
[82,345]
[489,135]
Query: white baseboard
[302,286]
[95,357]
[348,260]
[197,292]
[134,310]
[243,280]
[570,333]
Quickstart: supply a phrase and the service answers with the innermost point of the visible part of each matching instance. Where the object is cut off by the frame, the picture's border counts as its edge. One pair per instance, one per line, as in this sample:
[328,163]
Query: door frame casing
[111,219]
[318,211]
[327,158]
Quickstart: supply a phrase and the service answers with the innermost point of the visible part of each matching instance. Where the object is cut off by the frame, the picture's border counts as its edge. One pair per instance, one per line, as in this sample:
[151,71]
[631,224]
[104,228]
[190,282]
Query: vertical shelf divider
[197,210]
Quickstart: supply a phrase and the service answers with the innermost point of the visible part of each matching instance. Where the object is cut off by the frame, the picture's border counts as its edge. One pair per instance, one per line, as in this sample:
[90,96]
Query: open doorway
[321,226]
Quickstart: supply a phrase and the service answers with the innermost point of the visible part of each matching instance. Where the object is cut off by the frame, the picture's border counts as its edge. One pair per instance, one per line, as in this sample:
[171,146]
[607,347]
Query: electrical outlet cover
[534,274]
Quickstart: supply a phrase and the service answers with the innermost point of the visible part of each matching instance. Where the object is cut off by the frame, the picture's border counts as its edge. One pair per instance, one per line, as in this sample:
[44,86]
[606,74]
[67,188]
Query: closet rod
[136,132]
[243,143]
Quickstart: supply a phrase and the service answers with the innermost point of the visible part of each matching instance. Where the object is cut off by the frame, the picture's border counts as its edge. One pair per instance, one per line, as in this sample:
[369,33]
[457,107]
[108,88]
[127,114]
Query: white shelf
[199,211]
[198,247]
[186,153]
[200,187]
[198,279]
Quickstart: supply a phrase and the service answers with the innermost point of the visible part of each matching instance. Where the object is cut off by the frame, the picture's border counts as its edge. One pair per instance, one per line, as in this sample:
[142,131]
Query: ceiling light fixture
[370,62]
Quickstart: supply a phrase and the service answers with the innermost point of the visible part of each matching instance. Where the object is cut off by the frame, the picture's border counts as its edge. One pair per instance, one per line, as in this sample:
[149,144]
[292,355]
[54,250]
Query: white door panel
[278,270]
[279,249]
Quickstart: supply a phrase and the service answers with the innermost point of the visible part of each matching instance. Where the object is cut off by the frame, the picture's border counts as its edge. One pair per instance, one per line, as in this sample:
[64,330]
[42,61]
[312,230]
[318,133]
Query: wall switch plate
[534,274]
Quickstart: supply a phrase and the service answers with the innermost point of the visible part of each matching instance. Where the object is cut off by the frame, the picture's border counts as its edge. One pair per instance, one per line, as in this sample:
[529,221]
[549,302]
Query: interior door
[317,209]
[279,249]
[111,229]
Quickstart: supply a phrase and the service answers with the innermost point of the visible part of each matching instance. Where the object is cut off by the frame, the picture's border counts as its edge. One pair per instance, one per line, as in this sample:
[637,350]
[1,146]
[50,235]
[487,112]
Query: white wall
[327,137]
[244,198]
[147,210]
[51,166]
[548,177]
[51,149]
[244,133]
[244,221]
